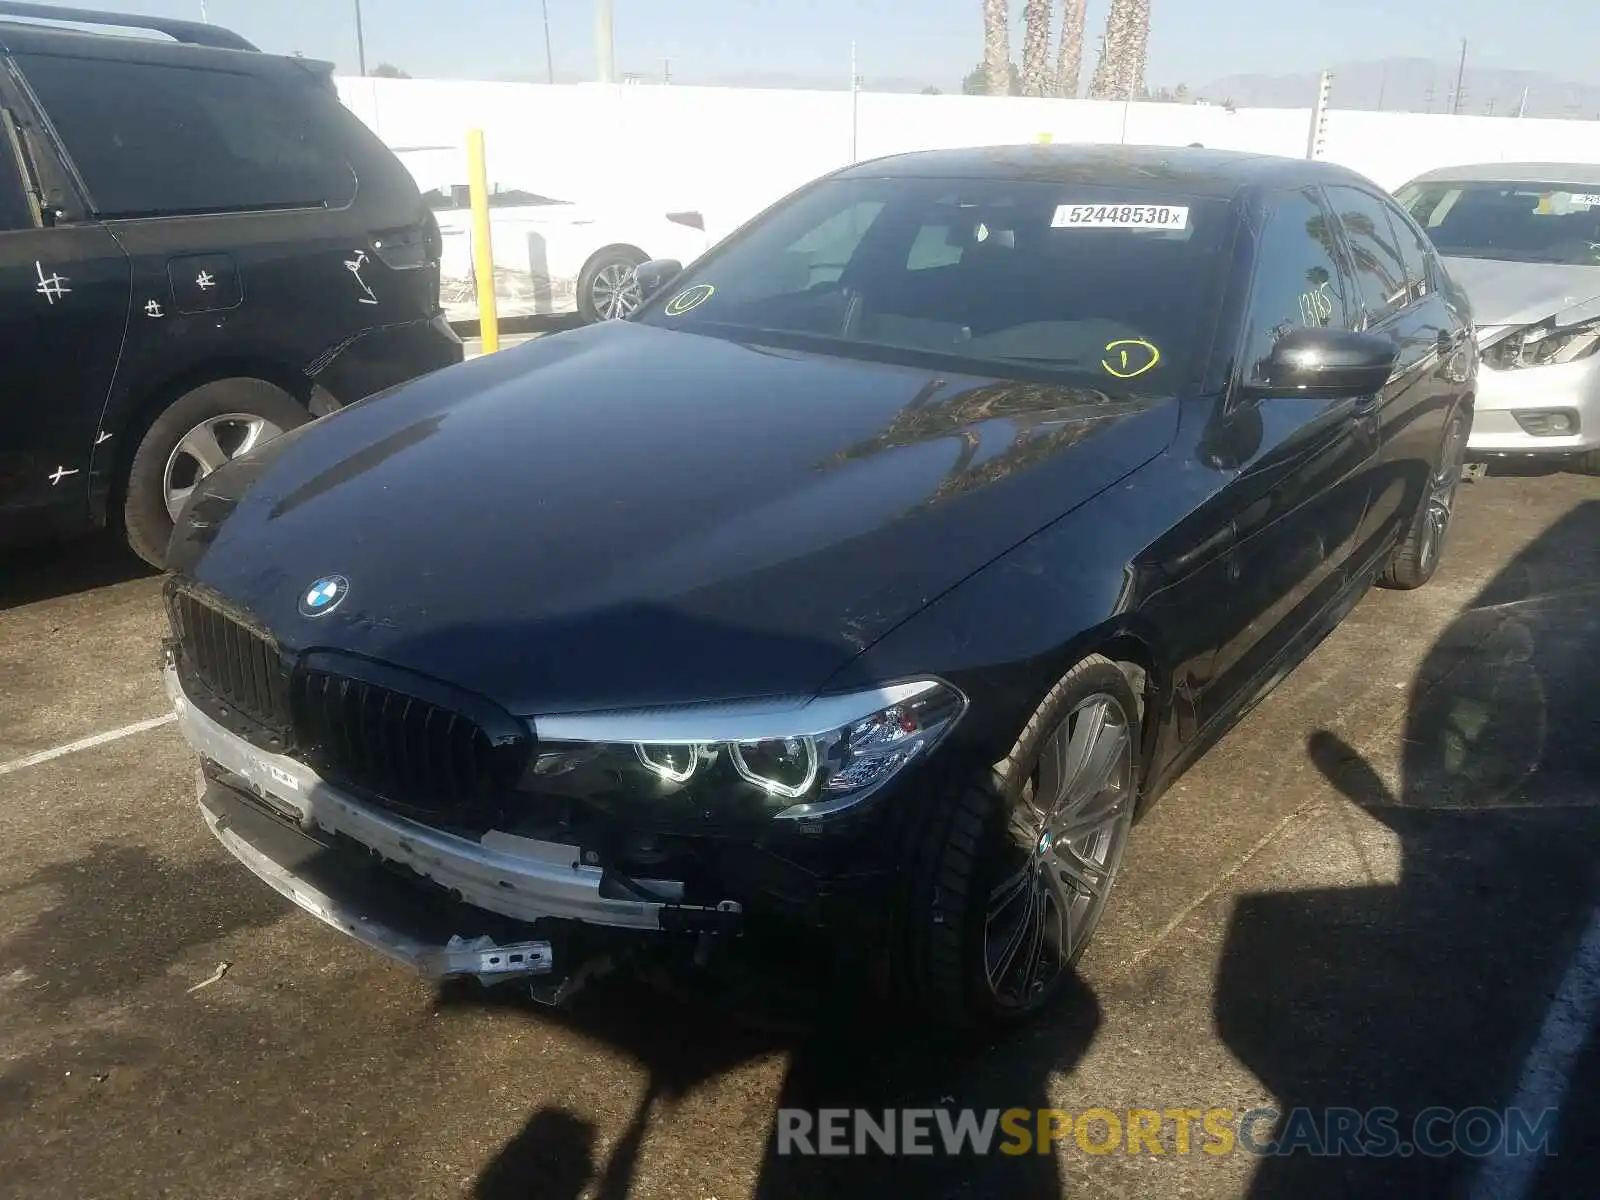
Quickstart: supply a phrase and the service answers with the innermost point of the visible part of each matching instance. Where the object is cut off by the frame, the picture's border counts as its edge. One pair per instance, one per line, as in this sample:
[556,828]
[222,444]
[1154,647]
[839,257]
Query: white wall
[731,151]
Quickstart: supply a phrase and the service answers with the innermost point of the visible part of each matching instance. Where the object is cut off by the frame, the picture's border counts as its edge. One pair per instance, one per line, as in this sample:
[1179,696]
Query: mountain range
[1395,84]
[1415,85]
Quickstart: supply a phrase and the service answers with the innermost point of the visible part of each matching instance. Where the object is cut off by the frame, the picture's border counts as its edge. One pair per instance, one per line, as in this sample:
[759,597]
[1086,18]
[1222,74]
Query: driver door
[1302,485]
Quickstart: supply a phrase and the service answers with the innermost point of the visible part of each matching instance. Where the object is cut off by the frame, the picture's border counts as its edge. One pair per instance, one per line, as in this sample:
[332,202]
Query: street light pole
[361,42]
[604,47]
[549,59]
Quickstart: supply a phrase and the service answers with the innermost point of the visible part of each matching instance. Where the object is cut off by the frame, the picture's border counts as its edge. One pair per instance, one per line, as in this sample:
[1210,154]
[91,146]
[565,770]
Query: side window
[932,249]
[1297,280]
[151,138]
[1379,268]
[826,250]
[818,255]
[15,210]
[1414,255]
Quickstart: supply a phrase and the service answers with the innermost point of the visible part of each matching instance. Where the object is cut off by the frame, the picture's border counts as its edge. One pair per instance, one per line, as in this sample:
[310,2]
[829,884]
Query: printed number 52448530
[1121,216]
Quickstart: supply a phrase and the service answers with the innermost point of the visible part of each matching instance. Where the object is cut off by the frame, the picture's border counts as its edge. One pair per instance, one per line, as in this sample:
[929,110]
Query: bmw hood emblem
[323,596]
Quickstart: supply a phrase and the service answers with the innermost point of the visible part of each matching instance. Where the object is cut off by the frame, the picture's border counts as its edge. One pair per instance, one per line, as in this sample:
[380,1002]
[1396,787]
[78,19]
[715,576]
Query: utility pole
[1461,70]
[855,93]
[604,46]
[1319,117]
[666,70]
[204,20]
[1522,105]
[549,57]
[361,42]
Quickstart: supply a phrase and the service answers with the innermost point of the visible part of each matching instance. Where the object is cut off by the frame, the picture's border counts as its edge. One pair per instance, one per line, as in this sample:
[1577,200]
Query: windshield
[1519,222]
[989,275]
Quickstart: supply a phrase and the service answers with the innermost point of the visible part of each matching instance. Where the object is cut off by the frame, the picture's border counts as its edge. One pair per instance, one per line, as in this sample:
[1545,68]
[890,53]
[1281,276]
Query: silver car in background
[1523,240]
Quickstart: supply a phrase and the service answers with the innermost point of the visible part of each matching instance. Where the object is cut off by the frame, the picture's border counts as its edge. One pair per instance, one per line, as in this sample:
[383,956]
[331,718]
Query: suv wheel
[196,434]
[607,288]
[1011,872]
[1589,462]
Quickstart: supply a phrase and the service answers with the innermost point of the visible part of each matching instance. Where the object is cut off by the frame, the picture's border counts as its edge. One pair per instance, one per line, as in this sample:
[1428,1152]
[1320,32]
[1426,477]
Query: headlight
[739,763]
[1544,344]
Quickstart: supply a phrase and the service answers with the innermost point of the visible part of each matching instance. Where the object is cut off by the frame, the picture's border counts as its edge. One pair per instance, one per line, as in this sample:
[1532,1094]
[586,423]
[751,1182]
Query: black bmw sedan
[866,584]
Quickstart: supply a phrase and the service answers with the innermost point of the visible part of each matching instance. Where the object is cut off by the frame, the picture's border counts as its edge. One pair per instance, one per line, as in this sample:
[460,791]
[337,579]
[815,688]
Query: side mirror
[656,274]
[1329,364]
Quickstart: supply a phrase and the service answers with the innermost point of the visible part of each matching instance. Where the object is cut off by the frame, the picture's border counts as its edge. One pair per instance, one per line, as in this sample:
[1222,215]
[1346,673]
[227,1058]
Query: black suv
[200,247]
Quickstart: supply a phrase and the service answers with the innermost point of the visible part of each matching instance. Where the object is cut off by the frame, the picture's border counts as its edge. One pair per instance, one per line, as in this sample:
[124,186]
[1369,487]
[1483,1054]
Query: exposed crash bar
[516,877]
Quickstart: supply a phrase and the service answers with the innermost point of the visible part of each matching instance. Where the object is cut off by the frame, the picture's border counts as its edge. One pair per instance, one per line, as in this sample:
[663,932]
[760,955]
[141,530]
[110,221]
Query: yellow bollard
[482,249]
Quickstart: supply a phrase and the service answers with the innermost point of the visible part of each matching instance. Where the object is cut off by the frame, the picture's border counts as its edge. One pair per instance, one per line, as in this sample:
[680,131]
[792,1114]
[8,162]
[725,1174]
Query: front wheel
[1011,872]
[199,432]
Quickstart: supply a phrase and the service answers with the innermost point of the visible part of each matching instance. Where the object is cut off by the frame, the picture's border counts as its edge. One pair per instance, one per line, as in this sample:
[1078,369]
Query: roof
[1198,172]
[17,37]
[1585,174]
[190,32]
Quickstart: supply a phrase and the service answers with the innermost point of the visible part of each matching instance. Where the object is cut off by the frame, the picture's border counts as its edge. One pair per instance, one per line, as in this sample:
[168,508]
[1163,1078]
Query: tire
[967,852]
[1417,557]
[238,413]
[1587,463]
[603,269]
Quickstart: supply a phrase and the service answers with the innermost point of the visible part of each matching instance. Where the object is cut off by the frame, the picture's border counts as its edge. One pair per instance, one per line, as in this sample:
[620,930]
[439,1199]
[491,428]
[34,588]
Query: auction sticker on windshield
[1121,216]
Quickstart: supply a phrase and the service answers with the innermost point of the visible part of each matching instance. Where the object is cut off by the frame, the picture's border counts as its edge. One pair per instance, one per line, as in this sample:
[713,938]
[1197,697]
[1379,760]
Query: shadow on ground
[54,569]
[1430,991]
[856,1056]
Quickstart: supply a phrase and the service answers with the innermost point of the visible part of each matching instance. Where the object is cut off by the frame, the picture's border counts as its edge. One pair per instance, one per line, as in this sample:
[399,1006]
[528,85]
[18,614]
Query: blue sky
[936,40]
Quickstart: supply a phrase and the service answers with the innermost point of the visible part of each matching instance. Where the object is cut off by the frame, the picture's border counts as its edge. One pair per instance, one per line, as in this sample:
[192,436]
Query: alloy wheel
[615,291]
[1442,488]
[209,445]
[1063,846]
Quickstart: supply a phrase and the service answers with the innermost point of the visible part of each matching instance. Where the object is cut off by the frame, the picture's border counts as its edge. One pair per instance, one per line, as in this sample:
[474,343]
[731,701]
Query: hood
[624,516]
[1519,293]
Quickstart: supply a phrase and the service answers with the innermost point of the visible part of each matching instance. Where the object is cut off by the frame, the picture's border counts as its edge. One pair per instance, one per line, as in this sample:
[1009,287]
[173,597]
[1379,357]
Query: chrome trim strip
[746,721]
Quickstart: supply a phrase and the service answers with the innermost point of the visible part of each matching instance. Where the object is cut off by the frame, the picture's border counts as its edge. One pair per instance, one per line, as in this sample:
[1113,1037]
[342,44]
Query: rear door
[1301,490]
[63,309]
[1399,295]
[231,181]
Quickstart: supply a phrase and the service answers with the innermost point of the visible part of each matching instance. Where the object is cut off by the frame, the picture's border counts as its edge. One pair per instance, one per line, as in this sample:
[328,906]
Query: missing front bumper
[435,936]
[443,904]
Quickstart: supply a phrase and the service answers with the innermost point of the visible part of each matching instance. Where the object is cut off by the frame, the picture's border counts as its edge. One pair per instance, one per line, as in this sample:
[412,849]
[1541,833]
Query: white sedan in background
[555,256]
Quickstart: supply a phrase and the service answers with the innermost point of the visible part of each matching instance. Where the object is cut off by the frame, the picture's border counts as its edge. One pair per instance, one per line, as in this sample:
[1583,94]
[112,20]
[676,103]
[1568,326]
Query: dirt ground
[1368,895]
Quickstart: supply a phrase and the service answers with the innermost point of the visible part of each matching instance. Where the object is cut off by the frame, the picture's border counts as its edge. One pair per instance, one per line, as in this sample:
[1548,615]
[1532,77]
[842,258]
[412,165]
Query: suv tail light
[414,246]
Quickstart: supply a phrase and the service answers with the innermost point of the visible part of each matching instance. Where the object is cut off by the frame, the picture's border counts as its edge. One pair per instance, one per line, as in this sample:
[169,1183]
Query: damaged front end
[432,827]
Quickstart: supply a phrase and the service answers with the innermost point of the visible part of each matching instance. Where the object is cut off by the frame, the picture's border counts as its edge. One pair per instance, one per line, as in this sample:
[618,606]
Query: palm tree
[1119,75]
[1069,62]
[997,46]
[1036,48]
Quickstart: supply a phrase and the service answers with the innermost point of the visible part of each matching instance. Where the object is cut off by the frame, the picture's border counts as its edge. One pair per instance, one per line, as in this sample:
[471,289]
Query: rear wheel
[608,288]
[1417,557]
[199,432]
[1589,462]
[1011,872]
